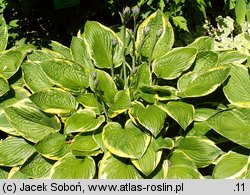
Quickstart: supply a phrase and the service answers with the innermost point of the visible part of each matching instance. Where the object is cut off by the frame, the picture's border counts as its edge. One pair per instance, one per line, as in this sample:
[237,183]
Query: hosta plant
[121,103]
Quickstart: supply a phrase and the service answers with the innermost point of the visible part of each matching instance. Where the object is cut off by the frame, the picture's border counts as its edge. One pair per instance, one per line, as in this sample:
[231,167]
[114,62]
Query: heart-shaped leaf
[201,151]
[174,63]
[35,78]
[121,103]
[36,167]
[30,122]
[53,146]
[181,112]
[231,165]
[55,101]
[193,84]
[237,89]
[234,124]
[181,167]
[70,167]
[83,121]
[113,167]
[99,39]
[15,151]
[79,53]
[66,74]
[10,62]
[153,43]
[150,160]
[129,142]
[151,117]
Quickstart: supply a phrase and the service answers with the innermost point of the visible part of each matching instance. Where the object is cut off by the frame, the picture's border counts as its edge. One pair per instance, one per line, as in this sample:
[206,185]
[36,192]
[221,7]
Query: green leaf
[199,129]
[84,145]
[30,122]
[53,146]
[113,167]
[4,86]
[35,78]
[57,47]
[38,56]
[206,60]
[16,174]
[161,171]
[3,33]
[83,121]
[231,56]
[3,173]
[10,62]
[5,125]
[174,63]
[99,39]
[36,167]
[127,142]
[201,151]
[79,53]
[150,160]
[203,44]
[181,167]
[240,11]
[14,151]
[151,117]
[70,167]
[106,86]
[66,74]
[202,114]
[181,22]
[193,84]
[234,124]
[181,112]
[121,103]
[237,89]
[159,44]
[55,101]
[89,101]
[231,165]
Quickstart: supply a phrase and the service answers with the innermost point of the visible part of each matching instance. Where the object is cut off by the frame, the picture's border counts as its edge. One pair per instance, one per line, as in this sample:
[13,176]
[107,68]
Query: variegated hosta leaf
[150,160]
[66,74]
[15,151]
[232,165]
[5,125]
[83,121]
[30,122]
[16,174]
[193,84]
[10,62]
[234,124]
[181,167]
[155,44]
[35,78]
[53,146]
[127,142]
[99,40]
[181,112]
[36,167]
[161,171]
[79,53]
[38,56]
[199,128]
[201,151]
[231,56]
[84,144]
[121,103]
[113,167]
[3,173]
[4,86]
[203,44]
[206,60]
[89,101]
[237,89]
[59,48]
[105,87]
[3,33]
[174,63]
[70,167]
[55,101]
[151,117]
[202,114]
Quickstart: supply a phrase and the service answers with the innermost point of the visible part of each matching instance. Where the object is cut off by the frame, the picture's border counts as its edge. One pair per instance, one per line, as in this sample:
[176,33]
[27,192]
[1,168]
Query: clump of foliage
[121,103]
